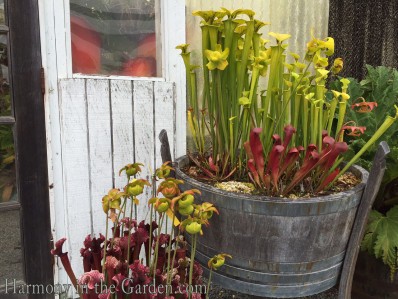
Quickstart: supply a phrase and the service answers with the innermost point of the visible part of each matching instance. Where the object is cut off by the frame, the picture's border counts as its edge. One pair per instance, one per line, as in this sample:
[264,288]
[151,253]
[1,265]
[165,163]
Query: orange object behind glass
[86,47]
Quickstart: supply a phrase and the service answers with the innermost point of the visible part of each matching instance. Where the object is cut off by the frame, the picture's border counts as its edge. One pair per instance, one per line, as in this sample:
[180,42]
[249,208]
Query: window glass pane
[115,37]
[5,100]
[2,13]
[7,165]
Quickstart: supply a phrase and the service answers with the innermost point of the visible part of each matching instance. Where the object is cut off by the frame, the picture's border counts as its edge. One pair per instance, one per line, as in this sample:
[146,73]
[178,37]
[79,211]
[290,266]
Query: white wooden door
[96,125]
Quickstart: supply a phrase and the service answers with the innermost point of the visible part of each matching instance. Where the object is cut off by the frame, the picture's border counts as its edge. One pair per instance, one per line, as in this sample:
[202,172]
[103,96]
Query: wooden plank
[75,158]
[122,128]
[358,230]
[174,70]
[164,117]
[62,37]
[54,149]
[143,122]
[99,149]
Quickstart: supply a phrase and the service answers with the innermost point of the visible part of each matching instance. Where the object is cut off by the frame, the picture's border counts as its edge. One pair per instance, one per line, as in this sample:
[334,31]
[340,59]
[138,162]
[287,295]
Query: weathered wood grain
[75,160]
[164,116]
[144,140]
[104,125]
[358,230]
[122,128]
[99,136]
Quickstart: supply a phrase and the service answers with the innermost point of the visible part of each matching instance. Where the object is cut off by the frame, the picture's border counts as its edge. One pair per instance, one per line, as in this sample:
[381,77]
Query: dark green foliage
[381,238]
[381,86]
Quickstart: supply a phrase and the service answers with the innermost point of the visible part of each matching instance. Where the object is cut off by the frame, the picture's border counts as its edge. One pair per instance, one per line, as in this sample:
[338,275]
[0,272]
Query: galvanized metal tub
[281,248]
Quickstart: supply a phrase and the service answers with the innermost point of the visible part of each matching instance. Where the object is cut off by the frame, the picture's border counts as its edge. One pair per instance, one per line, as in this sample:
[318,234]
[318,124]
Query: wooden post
[358,230]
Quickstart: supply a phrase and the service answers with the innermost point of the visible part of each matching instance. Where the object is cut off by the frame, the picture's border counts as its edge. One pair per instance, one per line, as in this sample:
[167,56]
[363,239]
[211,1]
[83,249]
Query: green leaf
[381,238]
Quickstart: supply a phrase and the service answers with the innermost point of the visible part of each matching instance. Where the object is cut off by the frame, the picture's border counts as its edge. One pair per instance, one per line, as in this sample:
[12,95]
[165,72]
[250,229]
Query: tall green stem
[106,243]
[129,236]
[170,266]
[208,284]
[193,251]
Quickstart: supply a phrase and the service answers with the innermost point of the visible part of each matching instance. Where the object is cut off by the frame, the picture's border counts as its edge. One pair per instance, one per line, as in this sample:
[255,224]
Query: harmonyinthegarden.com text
[11,286]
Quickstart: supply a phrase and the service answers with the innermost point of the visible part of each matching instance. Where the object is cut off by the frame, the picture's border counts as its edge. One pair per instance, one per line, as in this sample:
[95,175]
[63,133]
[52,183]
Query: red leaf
[252,168]
[308,165]
[257,150]
[327,141]
[329,158]
[277,139]
[274,162]
[248,150]
[327,180]
[290,159]
[310,148]
[213,166]
[289,130]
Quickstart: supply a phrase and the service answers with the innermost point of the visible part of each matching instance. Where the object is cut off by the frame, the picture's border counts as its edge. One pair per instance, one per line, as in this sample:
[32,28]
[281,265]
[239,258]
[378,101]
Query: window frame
[170,36]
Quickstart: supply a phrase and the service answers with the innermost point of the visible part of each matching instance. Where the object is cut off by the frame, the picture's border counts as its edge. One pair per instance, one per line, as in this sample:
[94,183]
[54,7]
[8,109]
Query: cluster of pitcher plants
[246,125]
[142,260]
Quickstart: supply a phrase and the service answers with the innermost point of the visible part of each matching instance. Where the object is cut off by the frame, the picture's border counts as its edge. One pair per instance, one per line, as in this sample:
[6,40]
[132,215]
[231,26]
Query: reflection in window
[115,37]
[7,165]
[5,100]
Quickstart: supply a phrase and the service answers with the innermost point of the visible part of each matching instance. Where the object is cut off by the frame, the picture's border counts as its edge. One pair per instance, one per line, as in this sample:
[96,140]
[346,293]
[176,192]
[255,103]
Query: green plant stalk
[315,125]
[268,131]
[232,71]
[253,86]
[296,112]
[129,237]
[191,264]
[206,76]
[169,266]
[305,121]
[325,118]
[332,111]
[380,131]
[208,284]
[223,105]
[256,43]
[242,69]
[106,241]
[286,97]
[155,257]
[303,75]
[320,94]
[135,211]
[340,122]
[232,140]
[253,96]
[229,27]
[197,116]
[214,114]
[187,62]
[191,126]
[314,122]
[213,34]
[150,237]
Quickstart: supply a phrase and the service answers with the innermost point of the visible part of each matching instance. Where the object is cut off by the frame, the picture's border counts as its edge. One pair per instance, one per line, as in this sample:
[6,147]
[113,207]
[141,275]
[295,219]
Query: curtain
[296,17]
[365,32]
